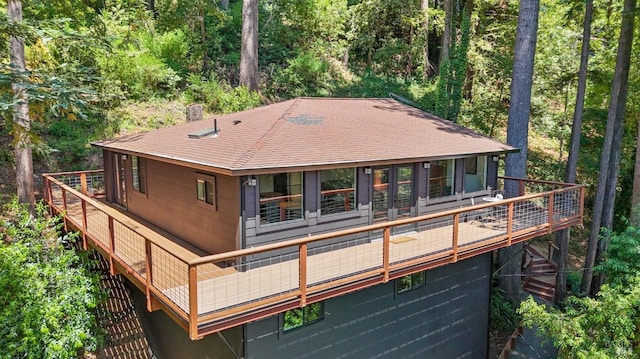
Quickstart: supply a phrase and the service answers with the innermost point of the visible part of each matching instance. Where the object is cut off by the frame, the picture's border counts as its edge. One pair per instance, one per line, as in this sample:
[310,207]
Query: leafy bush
[171,47]
[502,312]
[306,75]
[49,295]
[220,97]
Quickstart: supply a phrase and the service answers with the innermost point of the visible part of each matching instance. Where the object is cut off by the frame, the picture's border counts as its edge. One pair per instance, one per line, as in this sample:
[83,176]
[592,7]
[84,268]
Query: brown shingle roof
[306,132]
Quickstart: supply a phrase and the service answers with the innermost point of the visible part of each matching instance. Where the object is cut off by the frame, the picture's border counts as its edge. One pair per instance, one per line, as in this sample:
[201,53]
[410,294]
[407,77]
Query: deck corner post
[193,302]
[302,272]
[386,239]
[455,234]
[83,183]
[510,223]
[520,187]
[64,207]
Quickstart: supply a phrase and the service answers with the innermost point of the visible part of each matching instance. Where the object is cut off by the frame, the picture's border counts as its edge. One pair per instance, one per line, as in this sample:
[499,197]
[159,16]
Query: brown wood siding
[108,175]
[170,203]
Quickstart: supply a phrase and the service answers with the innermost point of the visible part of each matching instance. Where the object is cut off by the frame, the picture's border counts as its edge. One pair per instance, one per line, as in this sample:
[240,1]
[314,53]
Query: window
[300,317]
[337,190]
[139,174]
[441,176]
[475,174]
[280,197]
[410,282]
[206,189]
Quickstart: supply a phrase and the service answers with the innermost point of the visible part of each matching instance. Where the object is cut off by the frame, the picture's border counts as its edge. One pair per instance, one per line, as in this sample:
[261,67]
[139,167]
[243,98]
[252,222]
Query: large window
[281,197]
[206,190]
[441,178]
[337,190]
[300,317]
[410,282]
[139,174]
[475,174]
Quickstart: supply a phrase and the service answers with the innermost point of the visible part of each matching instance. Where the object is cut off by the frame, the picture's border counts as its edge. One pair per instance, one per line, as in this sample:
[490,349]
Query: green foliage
[306,75]
[621,262]
[602,327]
[503,313]
[49,295]
[170,47]
[219,97]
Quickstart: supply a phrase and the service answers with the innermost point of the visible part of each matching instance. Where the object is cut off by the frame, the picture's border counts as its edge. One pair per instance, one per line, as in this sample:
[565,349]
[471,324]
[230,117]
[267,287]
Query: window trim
[284,224]
[352,213]
[413,286]
[141,170]
[305,323]
[445,198]
[207,178]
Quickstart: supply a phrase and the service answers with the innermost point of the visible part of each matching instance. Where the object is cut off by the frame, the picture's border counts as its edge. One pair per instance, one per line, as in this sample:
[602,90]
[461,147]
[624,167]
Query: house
[323,227]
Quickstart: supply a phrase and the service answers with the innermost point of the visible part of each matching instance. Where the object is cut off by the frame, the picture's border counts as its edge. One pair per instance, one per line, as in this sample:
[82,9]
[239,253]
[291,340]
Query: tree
[635,199]
[610,159]
[249,45]
[22,124]
[426,71]
[509,258]
[562,236]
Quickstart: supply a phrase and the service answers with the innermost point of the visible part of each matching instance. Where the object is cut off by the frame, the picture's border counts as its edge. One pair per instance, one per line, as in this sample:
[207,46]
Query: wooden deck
[209,293]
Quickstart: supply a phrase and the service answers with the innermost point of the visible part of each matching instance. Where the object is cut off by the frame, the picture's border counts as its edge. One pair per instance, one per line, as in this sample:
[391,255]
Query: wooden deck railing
[206,294]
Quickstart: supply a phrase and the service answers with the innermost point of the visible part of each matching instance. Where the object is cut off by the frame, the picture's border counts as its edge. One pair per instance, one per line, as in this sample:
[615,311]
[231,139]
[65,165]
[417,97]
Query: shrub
[49,295]
[220,97]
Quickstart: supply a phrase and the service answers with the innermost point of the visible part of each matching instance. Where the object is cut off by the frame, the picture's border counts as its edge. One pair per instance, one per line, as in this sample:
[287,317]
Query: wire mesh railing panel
[566,204]
[98,224]
[247,280]
[170,275]
[421,239]
[530,213]
[95,183]
[129,246]
[74,208]
[56,195]
[343,258]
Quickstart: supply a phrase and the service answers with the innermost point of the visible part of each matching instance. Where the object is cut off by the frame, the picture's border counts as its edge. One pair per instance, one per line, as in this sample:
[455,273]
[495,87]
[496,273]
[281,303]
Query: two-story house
[324,227]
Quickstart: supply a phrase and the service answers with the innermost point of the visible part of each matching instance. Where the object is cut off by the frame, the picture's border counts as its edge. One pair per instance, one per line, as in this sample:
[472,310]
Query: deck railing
[206,294]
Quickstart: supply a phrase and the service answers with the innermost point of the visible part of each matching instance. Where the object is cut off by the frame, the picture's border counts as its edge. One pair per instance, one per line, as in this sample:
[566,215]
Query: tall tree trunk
[563,236]
[22,123]
[424,5]
[446,32]
[608,160]
[509,258]
[635,197]
[249,46]
[203,44]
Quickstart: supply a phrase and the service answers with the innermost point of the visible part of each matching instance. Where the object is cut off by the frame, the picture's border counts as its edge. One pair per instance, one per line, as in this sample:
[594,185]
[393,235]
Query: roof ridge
[251,151]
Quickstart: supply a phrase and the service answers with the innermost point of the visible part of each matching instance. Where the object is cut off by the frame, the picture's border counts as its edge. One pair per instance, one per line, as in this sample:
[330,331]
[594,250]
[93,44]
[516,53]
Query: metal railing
[215,292]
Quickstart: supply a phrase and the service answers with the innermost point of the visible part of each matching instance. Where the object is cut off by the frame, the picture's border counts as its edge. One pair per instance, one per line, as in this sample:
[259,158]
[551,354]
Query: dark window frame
[304,312]
[139,174]
[415,281]
[205,197]
[352,207]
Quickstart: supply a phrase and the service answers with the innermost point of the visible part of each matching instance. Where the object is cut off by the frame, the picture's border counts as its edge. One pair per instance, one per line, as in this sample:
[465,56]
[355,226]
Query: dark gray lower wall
[445,318]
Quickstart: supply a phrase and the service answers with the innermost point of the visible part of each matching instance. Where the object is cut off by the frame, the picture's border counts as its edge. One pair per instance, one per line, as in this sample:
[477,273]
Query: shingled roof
[310,132]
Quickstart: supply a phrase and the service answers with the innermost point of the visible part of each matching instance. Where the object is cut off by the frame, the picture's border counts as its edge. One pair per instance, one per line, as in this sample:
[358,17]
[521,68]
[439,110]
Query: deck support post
[581,204]
[509,223]
[193,302]
[302,273]
[520,187]
[84,223]
[83,183]
[148,273]
[49,195]
[456,223]
[386,238]
[112,243]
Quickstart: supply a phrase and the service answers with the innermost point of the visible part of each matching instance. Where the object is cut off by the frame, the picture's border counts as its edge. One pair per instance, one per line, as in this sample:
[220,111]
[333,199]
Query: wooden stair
[540,274]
